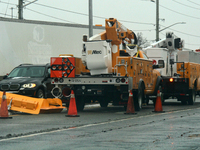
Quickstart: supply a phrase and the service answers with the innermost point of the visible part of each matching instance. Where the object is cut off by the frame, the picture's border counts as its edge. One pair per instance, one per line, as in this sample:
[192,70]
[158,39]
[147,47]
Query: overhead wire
[145,23]
[7,3]
[183,32]
[186,5]
[179,12]
[193,2]
[101,17]
[5,14]
[193,44]
[50,16]
[87,14]
[7,7]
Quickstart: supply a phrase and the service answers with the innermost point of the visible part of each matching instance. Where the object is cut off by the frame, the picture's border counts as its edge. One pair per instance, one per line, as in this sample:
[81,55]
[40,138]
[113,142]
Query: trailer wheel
[192,97]
[138,99]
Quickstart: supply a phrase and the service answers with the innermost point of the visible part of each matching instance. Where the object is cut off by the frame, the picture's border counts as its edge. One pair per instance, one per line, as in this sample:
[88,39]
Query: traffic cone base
[4,108]
[130,106]
[72,111]
[158,106]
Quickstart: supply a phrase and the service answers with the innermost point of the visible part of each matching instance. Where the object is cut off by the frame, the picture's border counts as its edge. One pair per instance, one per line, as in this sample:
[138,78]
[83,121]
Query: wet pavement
[106,128]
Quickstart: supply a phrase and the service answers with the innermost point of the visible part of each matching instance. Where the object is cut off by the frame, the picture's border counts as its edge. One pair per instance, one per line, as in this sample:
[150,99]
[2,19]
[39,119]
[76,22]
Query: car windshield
[28,71]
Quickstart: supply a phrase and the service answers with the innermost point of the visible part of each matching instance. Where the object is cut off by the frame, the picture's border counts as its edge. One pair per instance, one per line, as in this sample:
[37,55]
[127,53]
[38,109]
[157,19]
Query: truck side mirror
[160,64]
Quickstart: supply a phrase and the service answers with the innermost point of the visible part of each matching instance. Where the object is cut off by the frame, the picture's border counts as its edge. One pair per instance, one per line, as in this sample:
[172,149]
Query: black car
[30,80]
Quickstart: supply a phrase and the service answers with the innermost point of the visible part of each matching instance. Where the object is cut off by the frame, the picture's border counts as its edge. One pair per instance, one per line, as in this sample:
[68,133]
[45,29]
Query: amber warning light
[171,80]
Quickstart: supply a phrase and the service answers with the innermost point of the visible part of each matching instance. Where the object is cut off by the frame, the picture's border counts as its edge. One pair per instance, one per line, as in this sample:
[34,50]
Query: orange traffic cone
[72,111]
[130,106]
[158,105]
[4,108]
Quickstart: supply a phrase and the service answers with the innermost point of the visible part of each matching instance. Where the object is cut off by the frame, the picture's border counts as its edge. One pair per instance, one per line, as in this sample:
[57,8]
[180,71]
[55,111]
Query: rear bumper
[176,87]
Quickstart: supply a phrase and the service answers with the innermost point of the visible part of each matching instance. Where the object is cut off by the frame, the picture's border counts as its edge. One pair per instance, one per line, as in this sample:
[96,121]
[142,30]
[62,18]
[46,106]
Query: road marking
[90,125]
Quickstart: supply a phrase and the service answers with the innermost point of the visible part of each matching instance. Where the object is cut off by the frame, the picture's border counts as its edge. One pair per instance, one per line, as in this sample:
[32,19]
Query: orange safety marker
[4,108]
[130,106]
[158,105]
[72,111]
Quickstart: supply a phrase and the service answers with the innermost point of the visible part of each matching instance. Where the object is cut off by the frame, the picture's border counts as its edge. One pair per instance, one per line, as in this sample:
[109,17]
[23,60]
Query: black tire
[154,102]
[184,102]
[182,99]
[103,103]
[192,97]
[125,107]
[147,100]
[40,94]
[161,94]
[80,103]
[138,98]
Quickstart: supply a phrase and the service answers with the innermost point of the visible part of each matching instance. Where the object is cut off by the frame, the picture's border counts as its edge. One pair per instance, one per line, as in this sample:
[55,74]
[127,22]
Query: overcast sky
[136,15]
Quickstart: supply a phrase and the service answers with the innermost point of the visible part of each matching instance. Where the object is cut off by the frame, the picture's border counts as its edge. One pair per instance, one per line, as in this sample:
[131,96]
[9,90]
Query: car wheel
[40,94]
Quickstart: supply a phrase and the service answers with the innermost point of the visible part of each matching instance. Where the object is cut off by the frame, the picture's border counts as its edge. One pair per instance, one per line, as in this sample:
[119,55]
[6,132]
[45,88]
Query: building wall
[26,41]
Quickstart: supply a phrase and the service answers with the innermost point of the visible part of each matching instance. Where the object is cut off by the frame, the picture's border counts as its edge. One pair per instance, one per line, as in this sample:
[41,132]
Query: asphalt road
[105,129]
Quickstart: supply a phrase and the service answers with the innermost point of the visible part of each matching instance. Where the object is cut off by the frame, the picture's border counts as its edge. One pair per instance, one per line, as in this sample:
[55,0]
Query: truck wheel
[80,103]
[40,94]
[147,100]
[138,99]
[184,102]
[103,103]
[161,94]
[192,97]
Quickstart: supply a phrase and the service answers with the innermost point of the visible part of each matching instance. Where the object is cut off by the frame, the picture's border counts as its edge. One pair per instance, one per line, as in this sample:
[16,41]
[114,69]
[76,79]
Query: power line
[7,7]
[180,13]
[184,32]
[145,30]
[186,5]
[7,3]
[76,13]
[193,44]
[194,2]
[50,16]
[7,15]
[87,14]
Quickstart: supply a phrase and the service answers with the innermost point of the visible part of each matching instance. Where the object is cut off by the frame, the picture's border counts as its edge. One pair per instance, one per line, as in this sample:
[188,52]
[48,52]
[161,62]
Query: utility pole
[21,6]
[20,11]
[157,20]
[90,19]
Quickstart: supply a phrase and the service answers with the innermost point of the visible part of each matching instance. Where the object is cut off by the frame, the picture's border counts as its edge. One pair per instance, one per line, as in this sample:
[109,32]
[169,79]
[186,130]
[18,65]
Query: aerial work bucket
[32,105]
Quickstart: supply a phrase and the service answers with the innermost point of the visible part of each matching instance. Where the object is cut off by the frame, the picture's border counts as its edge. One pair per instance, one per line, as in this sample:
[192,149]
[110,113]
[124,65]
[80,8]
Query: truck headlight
[29,85]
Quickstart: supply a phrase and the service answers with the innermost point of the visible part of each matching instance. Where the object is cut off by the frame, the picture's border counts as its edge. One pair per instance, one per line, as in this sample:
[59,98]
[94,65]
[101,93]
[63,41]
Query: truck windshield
[28,71]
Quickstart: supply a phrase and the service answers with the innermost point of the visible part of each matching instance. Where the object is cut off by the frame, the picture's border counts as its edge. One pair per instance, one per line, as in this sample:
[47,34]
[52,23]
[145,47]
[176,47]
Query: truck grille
[12,87]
